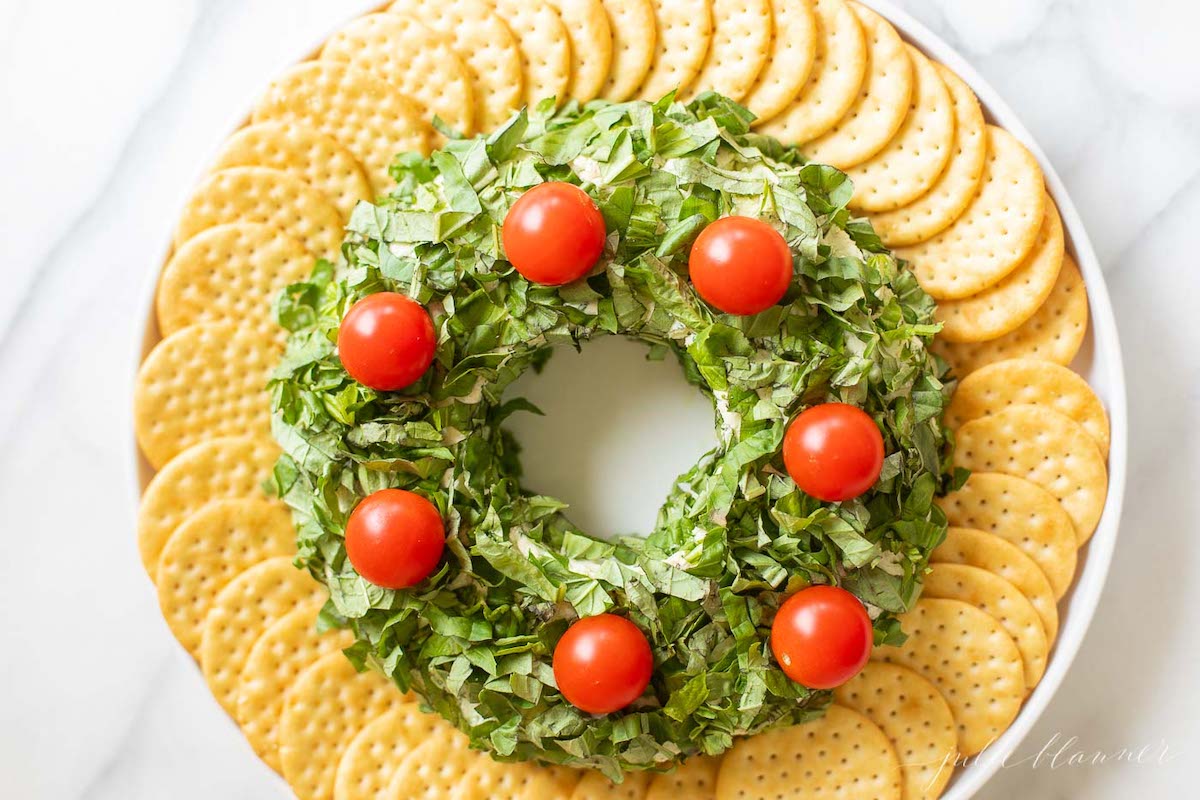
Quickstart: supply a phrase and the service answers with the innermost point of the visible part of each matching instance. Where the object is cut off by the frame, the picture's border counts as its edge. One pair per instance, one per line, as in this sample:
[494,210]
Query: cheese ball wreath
[735,536]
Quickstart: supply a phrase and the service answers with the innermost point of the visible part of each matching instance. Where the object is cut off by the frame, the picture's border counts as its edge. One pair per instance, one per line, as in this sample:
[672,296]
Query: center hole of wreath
[618,430]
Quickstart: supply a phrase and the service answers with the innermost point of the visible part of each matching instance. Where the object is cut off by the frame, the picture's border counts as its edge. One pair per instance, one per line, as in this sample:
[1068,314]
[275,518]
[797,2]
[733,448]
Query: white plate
[1099,361]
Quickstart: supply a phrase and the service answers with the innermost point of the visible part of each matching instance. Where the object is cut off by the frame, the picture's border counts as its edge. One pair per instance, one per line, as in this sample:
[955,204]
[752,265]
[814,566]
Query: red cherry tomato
[394,538]
[602,663]
[386,341]
[833,451]
[821,637]
[741,265]
[554,234]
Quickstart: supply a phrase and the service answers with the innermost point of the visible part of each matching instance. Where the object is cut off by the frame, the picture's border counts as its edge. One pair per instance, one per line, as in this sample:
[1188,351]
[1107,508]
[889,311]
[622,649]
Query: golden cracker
[833,84]
[789,61]
[695,779]
[912,161]
[989,552]
[367,115]
[594,786]
[211,548]
[634,35]
[267,196]
[433,769]
[495,780]
[420,62]
[203,382]
[1004,307]
[990,593]
[934,211]
[241,613]
[230,273]
[487,46]
[545,47]
[591,45]
[741,44]
[1026,381]
[370,760]
[319,160]
[284,650]
[322,713]
[841,755]
[995,232]
[1023,514]
[966,654]
[882,104]
[1045,447]
[684,32]
[916,719]
[1054,333]
[212,470]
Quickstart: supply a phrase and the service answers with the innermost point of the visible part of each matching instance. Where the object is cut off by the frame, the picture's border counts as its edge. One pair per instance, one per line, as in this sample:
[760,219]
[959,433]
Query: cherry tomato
[394,538]
[554,234]
[741,265]
[386,341]
[833,451]
[821,637]
[602,663]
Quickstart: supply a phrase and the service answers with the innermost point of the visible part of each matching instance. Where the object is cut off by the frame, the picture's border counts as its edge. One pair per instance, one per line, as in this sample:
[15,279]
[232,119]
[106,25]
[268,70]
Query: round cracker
[991,593]
[684,32]
[241,613]
[634,34]
[882,104]
[203,382]
[1004,307]
[266,196]
[911,162]
[591,45]
[1023,514]
[230,273]
[996,231]
[833,84]
[1043,446]
[322,713]
[741,43]
[495,780]
[211,548]
[545,47]
[967,655]
[694,778]
[789,61]
[594,786]
[936,210]
[319,160]
[487,46]
[433,769]
[369,116]
[367,765]
[212,470]
[285,649]
[417,60]
[1000,557]
[914,716]
[1026,381]
[839,755]
[1054,333]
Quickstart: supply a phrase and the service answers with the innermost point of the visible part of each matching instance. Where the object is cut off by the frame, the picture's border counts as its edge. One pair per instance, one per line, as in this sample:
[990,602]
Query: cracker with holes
[420,62]
[841,755]
[371,758]
[882,103]
[741,43]
[495,780]
[914,716]
[1045,447]
[285,649]
[367,115]
[594,786]
[995,232]
[211,548]
[1026,381]
[265,196]
[634,33]
[320,160]
[1002,308]
[203,382]
[591,40]
[683,32]
[433,769]
[967,655]
[1054,333]
[837,74]
[545,47]
[914,158]
[789,61]
[230,467]
[694,778]
[230,273]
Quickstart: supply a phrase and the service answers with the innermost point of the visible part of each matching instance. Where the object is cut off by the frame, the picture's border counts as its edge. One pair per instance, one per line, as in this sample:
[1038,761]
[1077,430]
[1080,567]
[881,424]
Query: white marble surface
[108,111]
